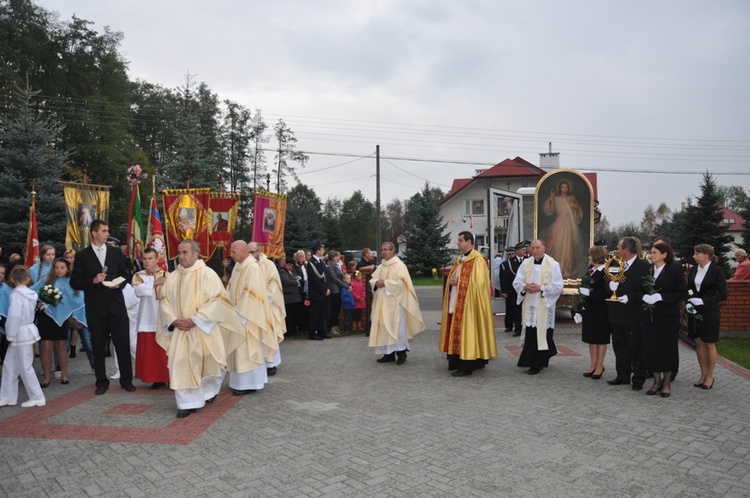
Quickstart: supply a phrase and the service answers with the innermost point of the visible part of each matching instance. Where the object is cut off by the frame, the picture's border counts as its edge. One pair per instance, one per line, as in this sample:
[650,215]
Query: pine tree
[286,153]
[426,240]
[29,160]
[746,226]
[703,223]
[302,218]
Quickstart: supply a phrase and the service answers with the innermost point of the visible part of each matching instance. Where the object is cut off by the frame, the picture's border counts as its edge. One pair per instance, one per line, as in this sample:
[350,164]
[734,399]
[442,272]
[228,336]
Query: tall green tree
[745,212]
[302,218]
[286,155]
[235,143]
[197,152]
[426,240]
[357,222]
[28,159]
[330,224]
[703,223]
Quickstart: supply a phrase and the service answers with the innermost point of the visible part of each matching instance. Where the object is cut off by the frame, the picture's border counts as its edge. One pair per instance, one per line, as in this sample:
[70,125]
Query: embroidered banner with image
[223,209]
[84,204]
[269,217]
[187,217]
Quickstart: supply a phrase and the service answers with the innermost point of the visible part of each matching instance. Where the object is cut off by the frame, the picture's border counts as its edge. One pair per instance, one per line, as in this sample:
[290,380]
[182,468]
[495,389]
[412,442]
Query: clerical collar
[538,261]
[467,254]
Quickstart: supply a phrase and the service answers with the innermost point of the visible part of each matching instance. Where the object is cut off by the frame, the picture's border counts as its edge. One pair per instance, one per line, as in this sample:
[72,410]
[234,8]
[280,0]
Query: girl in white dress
[21,334]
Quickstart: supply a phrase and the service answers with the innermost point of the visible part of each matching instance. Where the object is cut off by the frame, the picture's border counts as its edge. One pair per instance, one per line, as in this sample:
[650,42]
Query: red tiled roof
[512,168]
[738,220]
[458,186]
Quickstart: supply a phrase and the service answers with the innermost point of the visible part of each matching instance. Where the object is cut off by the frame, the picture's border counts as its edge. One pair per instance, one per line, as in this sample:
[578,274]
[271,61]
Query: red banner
[269,217]
[187,217]
[223,211]
[32,239]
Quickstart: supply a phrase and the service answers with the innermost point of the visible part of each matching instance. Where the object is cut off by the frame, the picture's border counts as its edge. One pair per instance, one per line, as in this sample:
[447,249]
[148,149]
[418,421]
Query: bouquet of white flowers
[49,295]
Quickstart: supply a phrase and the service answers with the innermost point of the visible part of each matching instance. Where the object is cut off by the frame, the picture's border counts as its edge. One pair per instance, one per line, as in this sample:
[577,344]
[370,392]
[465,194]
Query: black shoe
[324,336]
[65,382]
[533,371]
[706,386]
[595,376]
[211,400]
[314,337]
[242,392]
[45,385]
[401,357]
[100,390]
[588,374]
[516,334]
[637,387]
[665,395]
[271,371]
[698,384]
[461,373]
[654,390]
[72,352]
[156,385]
[185,413]
[618,382]
[508,330]
[387,358]
[129,388]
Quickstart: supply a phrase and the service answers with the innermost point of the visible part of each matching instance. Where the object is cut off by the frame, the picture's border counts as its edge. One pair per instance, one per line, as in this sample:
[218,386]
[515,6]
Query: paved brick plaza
[335,423]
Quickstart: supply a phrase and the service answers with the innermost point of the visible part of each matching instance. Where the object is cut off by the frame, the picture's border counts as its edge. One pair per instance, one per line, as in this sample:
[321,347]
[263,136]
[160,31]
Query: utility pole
[377,195]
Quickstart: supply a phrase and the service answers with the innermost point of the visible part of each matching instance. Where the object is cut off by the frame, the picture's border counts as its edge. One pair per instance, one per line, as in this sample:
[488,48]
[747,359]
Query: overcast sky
[621,88]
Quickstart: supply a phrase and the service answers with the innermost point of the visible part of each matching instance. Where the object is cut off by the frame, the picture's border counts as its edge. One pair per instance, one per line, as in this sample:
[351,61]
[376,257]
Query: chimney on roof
[549,160]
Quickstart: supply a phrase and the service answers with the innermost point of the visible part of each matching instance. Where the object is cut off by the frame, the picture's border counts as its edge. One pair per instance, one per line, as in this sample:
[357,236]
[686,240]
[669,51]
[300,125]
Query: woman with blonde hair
[707,287]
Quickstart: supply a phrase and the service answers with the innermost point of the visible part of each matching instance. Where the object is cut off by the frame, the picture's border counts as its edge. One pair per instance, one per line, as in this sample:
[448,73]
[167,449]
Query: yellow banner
[84,204]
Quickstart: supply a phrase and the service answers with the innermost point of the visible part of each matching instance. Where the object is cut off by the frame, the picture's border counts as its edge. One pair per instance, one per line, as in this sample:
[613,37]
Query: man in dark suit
[625,317]
[515,263]
[507,274]
[317,292]
[105,306]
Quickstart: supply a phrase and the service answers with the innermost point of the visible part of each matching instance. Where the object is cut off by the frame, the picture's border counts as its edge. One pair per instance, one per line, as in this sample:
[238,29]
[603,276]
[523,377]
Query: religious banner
[187,217]
[155,234]
[135,225]
[31,255]
[223,209]
[269,217]
[84,203]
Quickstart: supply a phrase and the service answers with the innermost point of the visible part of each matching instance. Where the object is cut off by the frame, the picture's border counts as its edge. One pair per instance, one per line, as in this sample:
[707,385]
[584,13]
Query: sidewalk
[333,422]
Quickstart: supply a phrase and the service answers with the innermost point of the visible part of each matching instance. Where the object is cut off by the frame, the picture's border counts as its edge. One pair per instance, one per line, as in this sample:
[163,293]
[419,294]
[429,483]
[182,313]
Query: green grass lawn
[736,350]
[427,281]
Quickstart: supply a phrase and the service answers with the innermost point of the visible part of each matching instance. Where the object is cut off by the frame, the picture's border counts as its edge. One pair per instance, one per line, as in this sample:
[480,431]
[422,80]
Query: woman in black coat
[661,318]
[707,287]
[595,330]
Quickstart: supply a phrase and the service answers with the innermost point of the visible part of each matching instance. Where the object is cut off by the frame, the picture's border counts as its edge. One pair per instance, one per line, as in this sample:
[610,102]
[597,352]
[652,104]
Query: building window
[479,240]
[475,207]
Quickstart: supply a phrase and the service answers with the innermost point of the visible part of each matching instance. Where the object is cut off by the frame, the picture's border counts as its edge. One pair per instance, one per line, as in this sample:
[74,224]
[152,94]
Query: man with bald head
[539,284]
[198,328]
[246,365]
[275,296]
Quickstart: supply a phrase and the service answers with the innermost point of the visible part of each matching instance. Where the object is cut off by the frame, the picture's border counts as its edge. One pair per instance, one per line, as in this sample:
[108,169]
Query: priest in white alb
[275,295]
[246,365]
[197,327]
[539,284]
[396,316]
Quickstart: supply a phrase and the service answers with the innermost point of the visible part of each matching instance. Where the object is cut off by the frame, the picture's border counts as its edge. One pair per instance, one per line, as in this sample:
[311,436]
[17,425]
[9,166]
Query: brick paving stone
[333,422]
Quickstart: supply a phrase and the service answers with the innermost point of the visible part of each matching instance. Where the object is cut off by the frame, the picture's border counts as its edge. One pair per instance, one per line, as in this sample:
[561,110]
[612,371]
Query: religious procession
[170,320]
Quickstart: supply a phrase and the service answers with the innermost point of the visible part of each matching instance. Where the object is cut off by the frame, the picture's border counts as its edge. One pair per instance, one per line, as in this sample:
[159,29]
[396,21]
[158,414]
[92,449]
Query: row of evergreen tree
[69,111]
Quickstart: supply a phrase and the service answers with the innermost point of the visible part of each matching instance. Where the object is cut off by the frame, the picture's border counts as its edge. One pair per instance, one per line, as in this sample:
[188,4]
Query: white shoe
[57,375]
[7,402]
[116,375]
[34,402]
